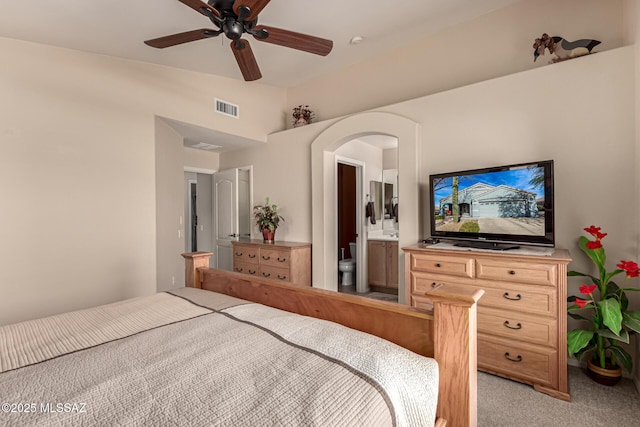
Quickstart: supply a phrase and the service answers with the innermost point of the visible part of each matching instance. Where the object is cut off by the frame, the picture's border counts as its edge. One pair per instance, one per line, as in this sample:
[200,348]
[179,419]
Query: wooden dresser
[282,261]
[522,319]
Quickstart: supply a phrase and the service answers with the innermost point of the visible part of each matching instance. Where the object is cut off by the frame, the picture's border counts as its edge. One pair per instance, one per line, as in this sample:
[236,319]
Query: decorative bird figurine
[563,49]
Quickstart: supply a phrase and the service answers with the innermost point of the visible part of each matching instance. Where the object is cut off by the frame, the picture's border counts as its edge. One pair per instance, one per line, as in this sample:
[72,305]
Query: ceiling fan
[233,18]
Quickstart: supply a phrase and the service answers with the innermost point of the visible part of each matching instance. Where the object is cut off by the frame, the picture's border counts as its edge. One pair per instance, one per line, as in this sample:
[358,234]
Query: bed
[242,355]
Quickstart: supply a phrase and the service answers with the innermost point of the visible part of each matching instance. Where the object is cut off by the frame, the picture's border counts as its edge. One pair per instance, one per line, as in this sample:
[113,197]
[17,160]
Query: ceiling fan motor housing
[232,29]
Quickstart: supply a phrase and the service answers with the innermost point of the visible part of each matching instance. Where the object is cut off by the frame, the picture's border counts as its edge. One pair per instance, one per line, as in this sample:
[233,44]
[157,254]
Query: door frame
[361,231]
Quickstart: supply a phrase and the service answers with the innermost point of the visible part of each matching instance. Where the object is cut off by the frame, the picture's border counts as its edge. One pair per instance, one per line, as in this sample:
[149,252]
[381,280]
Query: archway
[323,179]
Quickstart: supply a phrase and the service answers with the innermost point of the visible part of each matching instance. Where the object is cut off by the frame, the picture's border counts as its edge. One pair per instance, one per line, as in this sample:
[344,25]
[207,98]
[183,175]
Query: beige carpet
[503,402]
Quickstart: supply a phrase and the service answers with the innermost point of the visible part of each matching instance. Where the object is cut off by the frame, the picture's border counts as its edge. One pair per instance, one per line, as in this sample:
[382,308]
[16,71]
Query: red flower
[630,267]
[593,230]
[587,290]
[594,245]
[581,303]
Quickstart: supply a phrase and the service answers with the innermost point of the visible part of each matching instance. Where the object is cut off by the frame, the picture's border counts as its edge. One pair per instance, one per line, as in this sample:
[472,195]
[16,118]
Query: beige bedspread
[216,361]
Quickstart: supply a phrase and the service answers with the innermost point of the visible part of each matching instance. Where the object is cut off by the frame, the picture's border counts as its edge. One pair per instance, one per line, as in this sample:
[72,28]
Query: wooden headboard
[448,333]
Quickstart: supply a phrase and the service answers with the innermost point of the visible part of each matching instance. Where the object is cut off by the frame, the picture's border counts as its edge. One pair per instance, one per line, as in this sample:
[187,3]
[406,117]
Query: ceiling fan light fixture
[356,40]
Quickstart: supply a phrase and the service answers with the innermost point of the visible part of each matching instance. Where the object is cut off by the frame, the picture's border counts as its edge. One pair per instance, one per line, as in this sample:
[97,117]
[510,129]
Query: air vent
[205,146]
[226,108]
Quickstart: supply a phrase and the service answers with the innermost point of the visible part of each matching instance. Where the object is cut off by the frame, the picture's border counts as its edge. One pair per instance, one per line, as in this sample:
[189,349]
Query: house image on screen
[488,201]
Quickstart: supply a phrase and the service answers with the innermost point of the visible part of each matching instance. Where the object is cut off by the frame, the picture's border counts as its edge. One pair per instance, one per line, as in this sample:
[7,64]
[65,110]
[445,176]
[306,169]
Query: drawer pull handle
[238,253]
[512,272]
[266,258]
[251,256]
[281,259]
[252,272]
[517,298]
[239,270]
[438,265]
[516,359]
[282,277]
[518,325]
[266,274]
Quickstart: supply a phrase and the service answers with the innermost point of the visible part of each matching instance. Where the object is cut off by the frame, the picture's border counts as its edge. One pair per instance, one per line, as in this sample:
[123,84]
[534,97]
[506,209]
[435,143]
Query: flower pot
[268,235]
[610,375]
[301,122]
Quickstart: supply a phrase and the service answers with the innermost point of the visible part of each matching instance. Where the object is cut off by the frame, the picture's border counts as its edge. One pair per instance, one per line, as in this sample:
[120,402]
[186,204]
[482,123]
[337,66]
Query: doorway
[198,212]
[324,224]
[351,253]
[217,211]
[347,233]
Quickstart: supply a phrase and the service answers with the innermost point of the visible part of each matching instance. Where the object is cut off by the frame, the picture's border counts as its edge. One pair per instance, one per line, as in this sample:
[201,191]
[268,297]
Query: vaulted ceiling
[119,28]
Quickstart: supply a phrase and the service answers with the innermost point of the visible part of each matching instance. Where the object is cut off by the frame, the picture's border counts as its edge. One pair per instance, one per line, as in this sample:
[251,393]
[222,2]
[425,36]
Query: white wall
[580,113]
[493,45]
[632,24]
[79,132]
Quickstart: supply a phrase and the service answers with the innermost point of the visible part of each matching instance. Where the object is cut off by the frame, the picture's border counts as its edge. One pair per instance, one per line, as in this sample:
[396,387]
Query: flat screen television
[494,208]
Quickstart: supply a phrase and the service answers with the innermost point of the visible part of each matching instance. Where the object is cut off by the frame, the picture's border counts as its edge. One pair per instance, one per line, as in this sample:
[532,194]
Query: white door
[225,230]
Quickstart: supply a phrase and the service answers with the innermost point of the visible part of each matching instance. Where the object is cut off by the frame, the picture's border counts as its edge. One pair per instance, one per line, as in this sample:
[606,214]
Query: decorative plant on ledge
[610,321]
[302,115]
[267,219]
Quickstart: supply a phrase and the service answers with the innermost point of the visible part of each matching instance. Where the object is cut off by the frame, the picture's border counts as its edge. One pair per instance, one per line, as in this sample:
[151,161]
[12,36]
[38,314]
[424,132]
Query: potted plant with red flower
[604,306]
[267,219]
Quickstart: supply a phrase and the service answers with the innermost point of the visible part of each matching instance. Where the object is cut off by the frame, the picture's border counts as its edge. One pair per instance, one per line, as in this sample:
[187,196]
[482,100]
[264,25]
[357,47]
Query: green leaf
[631,319]
[577,340]
[576,273]
[611,274]
[611,315]
[597,255]
[622,337]
[622,357]
[577,316]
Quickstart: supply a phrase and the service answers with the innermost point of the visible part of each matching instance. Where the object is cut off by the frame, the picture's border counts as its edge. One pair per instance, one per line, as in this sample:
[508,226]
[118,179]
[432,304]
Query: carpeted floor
[503,402]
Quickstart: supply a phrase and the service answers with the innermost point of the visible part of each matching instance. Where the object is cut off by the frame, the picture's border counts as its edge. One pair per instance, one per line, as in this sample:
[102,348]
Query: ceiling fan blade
[246,60]
[255,6]
[295,40]
[175,39]
[197,5]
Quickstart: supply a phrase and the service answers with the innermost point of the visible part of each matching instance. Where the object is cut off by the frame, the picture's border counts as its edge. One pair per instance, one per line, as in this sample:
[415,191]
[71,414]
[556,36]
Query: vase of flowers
[267,219]
[603,306]
[302,115]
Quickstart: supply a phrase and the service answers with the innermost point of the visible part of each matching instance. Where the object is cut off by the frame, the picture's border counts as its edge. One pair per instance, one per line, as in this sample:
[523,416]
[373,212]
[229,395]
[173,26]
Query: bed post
[455,349]
[193,261]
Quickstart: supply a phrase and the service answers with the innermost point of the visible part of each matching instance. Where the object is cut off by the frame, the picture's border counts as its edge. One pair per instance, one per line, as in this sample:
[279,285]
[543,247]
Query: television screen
[485,207]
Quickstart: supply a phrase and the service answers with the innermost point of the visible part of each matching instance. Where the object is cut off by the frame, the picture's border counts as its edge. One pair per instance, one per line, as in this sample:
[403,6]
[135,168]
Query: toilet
[348,267]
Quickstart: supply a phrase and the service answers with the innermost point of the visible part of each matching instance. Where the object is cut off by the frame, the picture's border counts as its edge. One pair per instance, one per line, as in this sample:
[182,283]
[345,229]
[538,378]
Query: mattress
[194,357]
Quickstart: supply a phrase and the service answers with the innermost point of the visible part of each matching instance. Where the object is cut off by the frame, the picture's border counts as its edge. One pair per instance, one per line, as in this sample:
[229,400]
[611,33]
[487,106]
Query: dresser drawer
[246,254]
[540,300]
[518,326]
[275,273]
[245,268]
[450,265]
[275,258]
[423,282]
[521,272]
[421,302]
[528,363]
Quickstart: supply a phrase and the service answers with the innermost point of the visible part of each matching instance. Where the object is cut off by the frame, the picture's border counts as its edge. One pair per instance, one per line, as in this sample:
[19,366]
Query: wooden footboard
[447,334]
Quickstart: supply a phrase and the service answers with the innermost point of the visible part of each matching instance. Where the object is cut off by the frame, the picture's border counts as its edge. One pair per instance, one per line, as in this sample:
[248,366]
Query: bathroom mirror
[390,200]
[375,196]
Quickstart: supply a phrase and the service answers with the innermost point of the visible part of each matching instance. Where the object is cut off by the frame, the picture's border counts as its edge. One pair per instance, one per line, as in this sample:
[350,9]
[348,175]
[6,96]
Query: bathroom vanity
[383,263]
